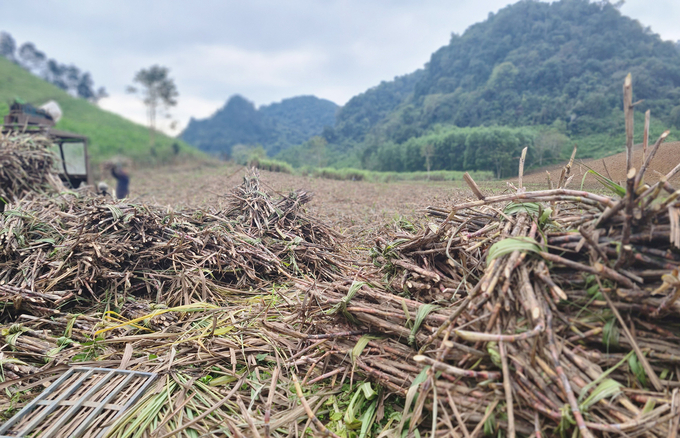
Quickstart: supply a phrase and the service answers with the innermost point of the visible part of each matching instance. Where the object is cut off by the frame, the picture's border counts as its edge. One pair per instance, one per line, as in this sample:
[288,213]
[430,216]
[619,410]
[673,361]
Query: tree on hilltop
[158,92]
[8,46]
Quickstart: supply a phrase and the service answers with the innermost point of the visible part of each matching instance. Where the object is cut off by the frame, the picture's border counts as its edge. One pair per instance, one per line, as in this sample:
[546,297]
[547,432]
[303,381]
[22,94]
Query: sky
[264,50]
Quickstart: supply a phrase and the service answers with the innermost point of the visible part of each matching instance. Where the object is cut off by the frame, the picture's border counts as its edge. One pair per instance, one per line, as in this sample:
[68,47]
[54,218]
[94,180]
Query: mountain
[554,66]
[364,111]
[275,127]
[534,62]
[109,134]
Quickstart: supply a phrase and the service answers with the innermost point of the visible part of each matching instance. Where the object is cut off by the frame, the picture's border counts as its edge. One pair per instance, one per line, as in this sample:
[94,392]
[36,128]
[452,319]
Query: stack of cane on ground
[25,165]
[537,313]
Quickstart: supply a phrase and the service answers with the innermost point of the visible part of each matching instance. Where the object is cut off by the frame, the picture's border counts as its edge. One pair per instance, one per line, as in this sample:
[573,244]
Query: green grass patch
[351,174]
[270,164]
[109,134]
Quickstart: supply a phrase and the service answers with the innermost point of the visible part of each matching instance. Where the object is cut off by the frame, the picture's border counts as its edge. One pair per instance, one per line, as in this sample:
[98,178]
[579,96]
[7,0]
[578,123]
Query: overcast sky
[265,50]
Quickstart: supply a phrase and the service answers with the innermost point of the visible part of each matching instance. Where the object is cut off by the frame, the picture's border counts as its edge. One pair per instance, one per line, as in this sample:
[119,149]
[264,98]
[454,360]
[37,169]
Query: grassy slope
[110,134]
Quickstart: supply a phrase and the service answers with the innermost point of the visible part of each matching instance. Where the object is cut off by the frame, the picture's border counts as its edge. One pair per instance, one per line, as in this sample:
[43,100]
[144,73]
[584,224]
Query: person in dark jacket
[123,181]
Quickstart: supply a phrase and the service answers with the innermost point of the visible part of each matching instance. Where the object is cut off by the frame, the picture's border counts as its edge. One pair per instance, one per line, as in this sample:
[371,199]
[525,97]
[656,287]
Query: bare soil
[353,207]
[362,208]
[614,167]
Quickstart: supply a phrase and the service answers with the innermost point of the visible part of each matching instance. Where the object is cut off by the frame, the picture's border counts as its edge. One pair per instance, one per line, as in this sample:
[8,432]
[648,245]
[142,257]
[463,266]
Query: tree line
[495,149]
[67,77]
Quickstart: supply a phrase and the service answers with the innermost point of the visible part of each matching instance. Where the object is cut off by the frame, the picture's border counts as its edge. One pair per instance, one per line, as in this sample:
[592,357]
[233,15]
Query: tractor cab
[72,163]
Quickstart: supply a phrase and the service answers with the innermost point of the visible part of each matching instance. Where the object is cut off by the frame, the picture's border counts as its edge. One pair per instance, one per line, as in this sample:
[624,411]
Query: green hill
[555,69]
[364,111]
[275,127]
[109,134]
[534,63]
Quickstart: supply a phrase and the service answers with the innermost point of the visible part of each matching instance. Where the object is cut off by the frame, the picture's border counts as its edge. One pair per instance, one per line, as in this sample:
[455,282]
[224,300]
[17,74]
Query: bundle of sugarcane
[73,247]
[568,298]
[26,165]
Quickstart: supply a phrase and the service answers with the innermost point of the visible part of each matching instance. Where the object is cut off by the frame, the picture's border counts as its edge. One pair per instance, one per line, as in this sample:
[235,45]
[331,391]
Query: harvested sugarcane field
[255,303]
[487,247]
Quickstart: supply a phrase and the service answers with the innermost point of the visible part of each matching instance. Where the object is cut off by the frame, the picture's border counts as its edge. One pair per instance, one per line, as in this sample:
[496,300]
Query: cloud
[132,108]
[265,50]
[661,15]
[126,105]
[234,67]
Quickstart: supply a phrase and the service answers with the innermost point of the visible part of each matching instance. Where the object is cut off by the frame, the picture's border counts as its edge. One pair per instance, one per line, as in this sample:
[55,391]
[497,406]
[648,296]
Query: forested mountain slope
[275,127]
[555,67]
[535,62]
[364,111]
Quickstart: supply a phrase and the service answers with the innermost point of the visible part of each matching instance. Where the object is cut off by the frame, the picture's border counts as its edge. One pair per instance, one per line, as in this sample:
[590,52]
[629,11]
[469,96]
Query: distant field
[350,203]
[356,207]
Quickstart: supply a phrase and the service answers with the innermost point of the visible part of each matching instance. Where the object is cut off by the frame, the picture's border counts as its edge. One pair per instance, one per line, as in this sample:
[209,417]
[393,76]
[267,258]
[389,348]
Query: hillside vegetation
[554,69]
[109,134]
[275,127]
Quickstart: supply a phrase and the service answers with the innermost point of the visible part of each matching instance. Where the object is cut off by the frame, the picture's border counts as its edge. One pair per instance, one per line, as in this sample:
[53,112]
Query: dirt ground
[353,207]
[667,157]
[361,208]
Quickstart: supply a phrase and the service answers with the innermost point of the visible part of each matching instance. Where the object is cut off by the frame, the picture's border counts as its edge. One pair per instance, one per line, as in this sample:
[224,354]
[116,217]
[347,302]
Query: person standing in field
[122,181]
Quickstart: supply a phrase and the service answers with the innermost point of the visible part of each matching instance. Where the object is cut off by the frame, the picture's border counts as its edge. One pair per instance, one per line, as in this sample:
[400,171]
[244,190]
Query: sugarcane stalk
[440,366]
[507,386]
[653,378]
[585,432]
[650,157]
[628,116]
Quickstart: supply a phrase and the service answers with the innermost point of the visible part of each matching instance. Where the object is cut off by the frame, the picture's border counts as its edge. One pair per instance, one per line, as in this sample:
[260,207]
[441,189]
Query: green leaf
[359,347]
[610,334]
[512,244]
[69,325]
[609,184]
[115,212]
[637,369]
[649,406]
[367,419]
[607,389]
[594,291]
[545,216]
[222,380]
[45,240]
[566,420]
[420,378]
[494,352]
[602,376]
[342,305]
[421,314]
[410,395]
[531,208]
[363,393]
[490,423]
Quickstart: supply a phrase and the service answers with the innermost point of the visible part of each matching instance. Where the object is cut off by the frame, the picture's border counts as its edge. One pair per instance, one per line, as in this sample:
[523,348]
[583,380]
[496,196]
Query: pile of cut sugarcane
[533,313]
[540,312]
[57,250]
[25,165]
